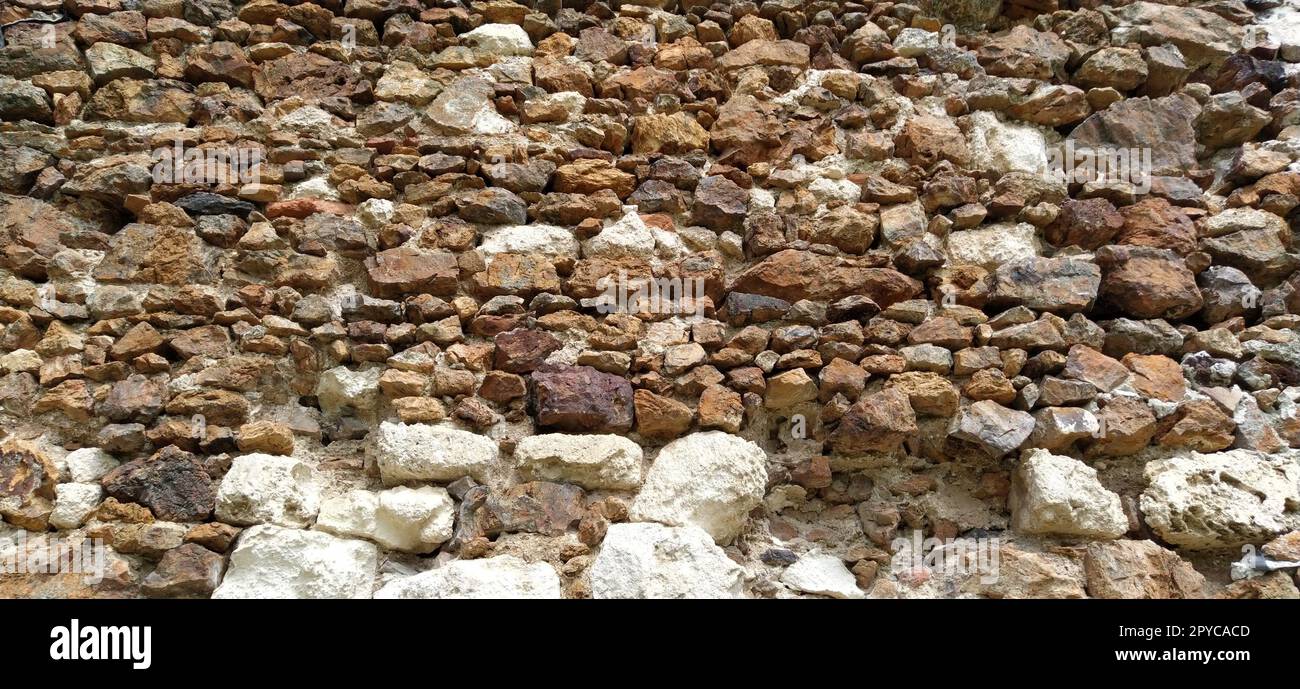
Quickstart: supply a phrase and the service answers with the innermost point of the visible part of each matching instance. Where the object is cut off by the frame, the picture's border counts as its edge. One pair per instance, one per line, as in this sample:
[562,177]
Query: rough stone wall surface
[651,298]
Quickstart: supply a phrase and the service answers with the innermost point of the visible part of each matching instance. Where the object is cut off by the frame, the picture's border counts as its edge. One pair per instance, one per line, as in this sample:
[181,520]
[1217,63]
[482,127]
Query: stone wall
[653,298]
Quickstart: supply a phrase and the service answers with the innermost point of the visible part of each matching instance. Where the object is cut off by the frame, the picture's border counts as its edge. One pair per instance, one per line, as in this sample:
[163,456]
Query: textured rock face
[500,577]
[710,480]
[266,489]
[655,561]
[1058,495]
[415,520]
[591,461]
[1223,499]
[275,562]
[727,296]
[421,452]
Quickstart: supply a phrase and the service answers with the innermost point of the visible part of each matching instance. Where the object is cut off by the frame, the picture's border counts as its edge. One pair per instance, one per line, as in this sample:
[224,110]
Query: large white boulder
[656,561]
[823,575]
[268,489]
[1222,499]
[273,562]
[592,461]
[710,480]
[415,520]
[421,452]
[1061,496]
[505,576]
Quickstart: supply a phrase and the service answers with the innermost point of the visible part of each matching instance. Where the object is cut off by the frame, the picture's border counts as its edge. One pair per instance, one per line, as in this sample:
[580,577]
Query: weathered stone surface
[1139,569]
[876,423]
[581,399]
[591,461]
[174,486]
[708,479]
[275,562]
[501,577]
[415,520]
[268,489]
[1221,500]
[421,452]
[656,561]
[1051,494]
[991,427]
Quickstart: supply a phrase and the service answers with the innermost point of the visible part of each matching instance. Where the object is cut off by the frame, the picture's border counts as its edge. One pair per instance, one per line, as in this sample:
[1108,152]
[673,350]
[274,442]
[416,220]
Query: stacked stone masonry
[650,298]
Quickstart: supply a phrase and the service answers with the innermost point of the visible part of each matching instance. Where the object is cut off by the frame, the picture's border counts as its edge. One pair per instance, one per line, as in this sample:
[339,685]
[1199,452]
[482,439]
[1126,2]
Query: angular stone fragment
[501,577]
[269,489]
[1222,500]
[1051,494]
[880,422]
[421,452]
[275,562]
[991,427]
[709,479]
[654,561]
[581,399]
[592,461]
[415,520]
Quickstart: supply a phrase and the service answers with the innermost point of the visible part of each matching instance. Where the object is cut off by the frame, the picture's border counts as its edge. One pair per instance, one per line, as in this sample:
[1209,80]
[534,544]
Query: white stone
[274,562]
[420,452]
[826,190]
[656,561]
[822,574]
[1222,499]
[501,577]
[554,242]
[261,489]
[415,520]
[915,42]
[74,503]
[993,245]
[627,236]
[499,39]
[592,461]
[710,480]
[374,213]
[340,389]
[89,464]
[1003,147]
[1061,496]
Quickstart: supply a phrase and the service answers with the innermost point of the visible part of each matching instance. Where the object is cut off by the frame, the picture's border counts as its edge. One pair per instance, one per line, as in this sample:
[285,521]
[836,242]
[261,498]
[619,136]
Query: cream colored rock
[656,561]
[1223,499]
[415,520]
[822,574]
[504,576]
[274,562]
[710,480]
[421,452]
[592,461]
[74,503]
[1061,496]
[269,489]
[993,245]
[89,464]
